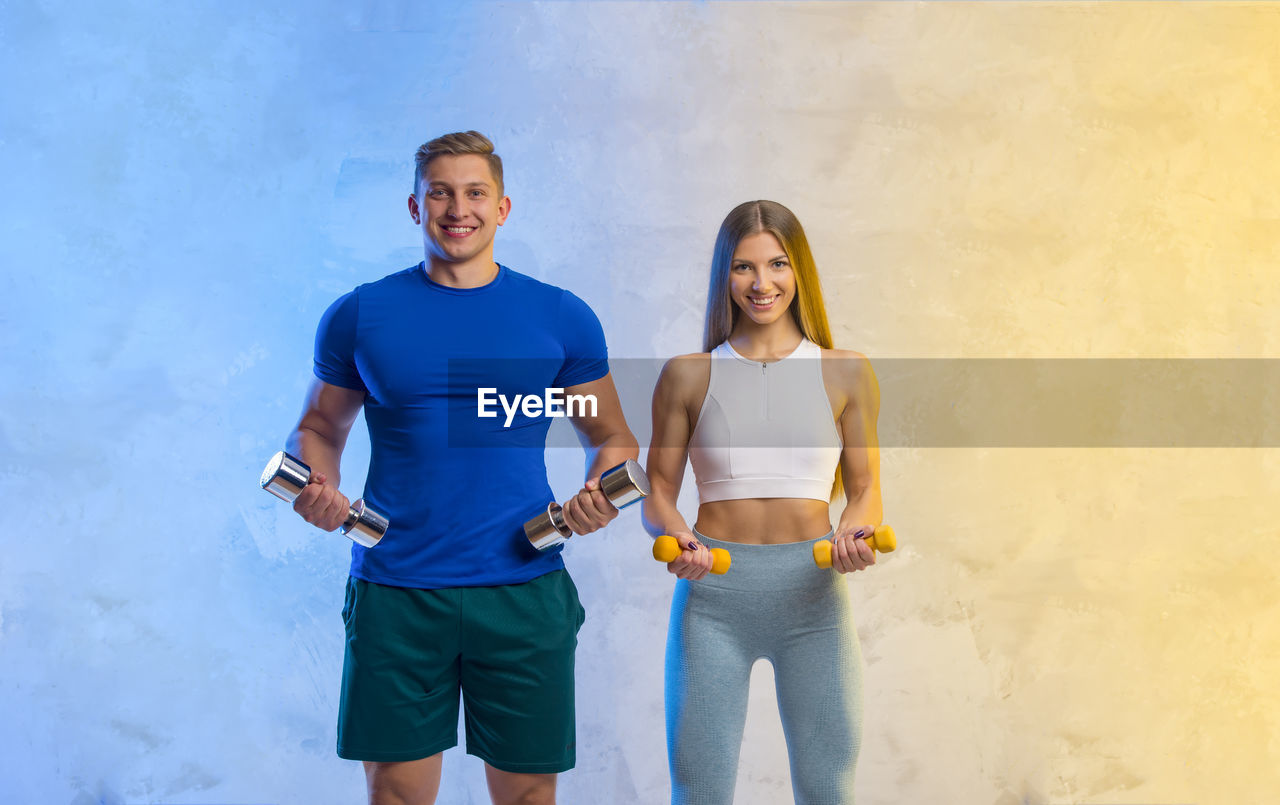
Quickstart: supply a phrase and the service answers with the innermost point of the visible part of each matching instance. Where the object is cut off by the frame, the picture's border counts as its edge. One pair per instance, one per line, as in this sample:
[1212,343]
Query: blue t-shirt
[456,487]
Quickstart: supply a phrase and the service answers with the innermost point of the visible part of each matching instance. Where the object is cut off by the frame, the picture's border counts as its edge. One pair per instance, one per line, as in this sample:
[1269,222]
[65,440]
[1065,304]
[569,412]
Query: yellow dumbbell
[666,549]
[882,540]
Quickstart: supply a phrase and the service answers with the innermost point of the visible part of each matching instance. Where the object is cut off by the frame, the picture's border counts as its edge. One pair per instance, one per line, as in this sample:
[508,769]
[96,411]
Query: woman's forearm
[864,508]
[660,515]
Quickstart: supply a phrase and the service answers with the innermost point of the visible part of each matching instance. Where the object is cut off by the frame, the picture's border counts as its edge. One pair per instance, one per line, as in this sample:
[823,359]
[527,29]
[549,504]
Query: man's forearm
[317,452]
[612,451]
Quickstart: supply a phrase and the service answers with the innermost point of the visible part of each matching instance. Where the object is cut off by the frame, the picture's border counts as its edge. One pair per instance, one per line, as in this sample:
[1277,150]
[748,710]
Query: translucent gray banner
[954,403]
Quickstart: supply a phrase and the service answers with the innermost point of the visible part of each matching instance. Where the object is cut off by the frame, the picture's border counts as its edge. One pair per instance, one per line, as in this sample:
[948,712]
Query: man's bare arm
[318,440]
[608,442]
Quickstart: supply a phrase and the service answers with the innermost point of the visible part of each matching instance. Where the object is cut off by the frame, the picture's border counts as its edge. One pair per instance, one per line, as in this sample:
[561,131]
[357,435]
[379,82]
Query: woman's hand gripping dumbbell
[668,549]
[880,539]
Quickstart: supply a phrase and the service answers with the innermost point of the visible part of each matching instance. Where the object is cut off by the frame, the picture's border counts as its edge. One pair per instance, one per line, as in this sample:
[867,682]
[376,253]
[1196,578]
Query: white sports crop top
[766,430]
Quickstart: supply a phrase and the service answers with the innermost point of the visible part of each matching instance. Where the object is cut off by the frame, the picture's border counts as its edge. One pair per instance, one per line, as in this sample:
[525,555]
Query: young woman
[775,423]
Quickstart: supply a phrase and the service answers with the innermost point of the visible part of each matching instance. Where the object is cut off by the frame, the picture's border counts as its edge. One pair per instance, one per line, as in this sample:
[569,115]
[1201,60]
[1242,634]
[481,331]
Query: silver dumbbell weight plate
[623,485]
[286,476]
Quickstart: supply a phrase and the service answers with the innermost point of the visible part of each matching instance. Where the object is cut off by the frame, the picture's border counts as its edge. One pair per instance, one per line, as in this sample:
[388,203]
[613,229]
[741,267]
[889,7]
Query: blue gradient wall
[188,188]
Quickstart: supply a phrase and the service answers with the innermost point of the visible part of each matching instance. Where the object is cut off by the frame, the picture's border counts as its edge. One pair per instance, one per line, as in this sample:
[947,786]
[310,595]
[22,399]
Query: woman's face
[761,281]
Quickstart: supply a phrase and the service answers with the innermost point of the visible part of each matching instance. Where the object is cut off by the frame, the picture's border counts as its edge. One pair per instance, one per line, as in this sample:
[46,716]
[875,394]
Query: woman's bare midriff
[764,521]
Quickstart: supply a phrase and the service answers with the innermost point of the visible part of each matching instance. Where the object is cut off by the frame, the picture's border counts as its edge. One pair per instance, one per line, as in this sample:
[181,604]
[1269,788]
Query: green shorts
[508,650]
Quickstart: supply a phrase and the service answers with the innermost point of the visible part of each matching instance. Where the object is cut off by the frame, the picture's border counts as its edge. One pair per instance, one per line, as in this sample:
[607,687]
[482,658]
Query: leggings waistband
[767,567]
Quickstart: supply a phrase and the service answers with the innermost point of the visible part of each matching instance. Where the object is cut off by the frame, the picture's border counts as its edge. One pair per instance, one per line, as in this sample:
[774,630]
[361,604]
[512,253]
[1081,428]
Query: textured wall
[188,189]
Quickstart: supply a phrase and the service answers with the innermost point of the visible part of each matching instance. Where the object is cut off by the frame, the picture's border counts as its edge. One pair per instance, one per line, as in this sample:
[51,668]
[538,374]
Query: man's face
[460,209]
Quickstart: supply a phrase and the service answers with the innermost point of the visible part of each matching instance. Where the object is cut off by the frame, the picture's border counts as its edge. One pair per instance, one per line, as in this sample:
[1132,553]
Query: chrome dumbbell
[622,485]
[286,476]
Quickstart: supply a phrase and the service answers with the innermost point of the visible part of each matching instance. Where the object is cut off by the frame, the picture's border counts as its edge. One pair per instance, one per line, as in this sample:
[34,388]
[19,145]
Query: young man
[454,599]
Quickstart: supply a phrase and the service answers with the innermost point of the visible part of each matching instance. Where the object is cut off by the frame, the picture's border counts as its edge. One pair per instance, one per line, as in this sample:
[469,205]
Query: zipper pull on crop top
[766,430]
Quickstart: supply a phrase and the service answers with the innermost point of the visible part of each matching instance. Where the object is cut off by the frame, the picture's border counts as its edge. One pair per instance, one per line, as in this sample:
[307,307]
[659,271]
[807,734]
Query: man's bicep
[595,410]
[330,410]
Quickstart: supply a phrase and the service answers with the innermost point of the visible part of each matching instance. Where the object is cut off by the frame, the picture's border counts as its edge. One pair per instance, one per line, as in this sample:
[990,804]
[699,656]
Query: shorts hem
[551,767]
[374,756]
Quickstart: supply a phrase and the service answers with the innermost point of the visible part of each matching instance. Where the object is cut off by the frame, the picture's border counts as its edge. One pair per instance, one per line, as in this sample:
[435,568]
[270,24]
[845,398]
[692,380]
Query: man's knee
[511,788]
[414,782]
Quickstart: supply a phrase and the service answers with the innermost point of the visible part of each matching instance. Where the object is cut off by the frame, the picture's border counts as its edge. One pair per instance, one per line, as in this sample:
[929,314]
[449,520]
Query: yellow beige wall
[1083,625]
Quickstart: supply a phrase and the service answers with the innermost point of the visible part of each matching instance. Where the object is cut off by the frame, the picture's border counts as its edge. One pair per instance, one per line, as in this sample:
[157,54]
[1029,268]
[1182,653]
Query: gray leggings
[776,604]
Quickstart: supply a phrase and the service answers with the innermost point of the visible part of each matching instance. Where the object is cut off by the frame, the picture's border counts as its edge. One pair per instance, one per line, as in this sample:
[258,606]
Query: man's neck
[471,274]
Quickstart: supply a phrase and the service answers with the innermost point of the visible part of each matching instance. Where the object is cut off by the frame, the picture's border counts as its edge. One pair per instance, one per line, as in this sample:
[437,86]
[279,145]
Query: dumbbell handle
[883,540]
[286,476]
[623,484]
[667,548]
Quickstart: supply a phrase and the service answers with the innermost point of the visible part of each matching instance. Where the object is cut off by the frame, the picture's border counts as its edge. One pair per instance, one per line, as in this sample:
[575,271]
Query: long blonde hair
[808,309]
[750,218]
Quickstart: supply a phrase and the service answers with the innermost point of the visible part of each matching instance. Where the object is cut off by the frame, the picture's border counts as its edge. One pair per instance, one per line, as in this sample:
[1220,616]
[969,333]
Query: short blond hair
[456,144]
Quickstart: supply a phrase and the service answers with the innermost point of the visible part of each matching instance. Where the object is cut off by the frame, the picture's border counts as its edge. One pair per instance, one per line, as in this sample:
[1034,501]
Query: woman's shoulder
[684,375]
[687,367]
[847,357]
[842,353]
[849,368]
